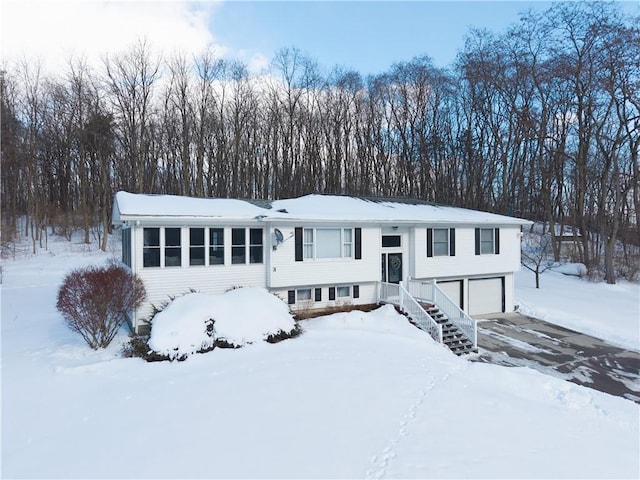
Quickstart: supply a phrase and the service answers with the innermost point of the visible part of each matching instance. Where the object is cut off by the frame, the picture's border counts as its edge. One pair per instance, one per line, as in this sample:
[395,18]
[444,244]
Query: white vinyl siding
[285,271]
[162,284]
[466,263]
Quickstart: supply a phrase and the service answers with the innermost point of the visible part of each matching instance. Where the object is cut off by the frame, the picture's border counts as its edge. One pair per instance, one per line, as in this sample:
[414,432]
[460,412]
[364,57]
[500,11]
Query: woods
[541,121]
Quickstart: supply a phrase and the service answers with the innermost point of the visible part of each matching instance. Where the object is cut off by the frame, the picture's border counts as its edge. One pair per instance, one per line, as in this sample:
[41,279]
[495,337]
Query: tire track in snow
[381,462]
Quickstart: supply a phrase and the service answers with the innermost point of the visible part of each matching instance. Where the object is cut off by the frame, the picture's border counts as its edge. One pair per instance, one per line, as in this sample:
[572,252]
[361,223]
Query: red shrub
[94,301]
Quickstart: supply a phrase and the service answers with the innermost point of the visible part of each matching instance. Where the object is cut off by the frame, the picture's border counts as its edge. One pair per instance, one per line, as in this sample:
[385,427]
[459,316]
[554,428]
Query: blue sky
[367,36]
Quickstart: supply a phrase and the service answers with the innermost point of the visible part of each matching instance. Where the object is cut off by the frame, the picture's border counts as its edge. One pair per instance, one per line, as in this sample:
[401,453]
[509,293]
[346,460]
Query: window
[329,243]
[238,245]
[307,243]
[172,250]
[347,242]
[304,294]
[196,246]
[311,243]
[216,246]
[344,292]
[318,294]
[126,246]
[151,247]
[487,241]
[389,241]
[441,242]
[255,245]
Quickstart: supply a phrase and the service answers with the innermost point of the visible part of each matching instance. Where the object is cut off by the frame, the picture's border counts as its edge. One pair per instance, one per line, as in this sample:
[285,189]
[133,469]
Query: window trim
[235,246]
[495,241]
[343,287]
[253,246]
[166,247]
[152,247]
[211,246]
[301,291]
[202,247]
[450,241]
[394,236]
[309,249]
[299,249]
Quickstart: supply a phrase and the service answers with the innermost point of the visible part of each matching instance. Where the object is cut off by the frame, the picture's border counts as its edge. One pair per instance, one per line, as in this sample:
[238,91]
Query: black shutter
[291,297]
[452,242]
[298,231]
[358,240]
[497,240]
[429,242]
[477,241]
[332,293]
[356,291]
[318,294]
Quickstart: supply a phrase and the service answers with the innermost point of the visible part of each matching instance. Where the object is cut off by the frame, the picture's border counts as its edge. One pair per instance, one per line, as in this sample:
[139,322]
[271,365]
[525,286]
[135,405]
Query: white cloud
[56,30]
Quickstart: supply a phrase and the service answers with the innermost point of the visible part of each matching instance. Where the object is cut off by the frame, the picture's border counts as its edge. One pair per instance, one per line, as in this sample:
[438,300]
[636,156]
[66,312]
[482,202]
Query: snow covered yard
[609,312]
[356,395]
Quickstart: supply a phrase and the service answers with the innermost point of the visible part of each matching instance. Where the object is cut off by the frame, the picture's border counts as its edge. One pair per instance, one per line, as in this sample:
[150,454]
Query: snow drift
[195,321]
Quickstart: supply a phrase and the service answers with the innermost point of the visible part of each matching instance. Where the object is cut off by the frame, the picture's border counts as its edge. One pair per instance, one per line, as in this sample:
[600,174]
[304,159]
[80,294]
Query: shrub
[94,301]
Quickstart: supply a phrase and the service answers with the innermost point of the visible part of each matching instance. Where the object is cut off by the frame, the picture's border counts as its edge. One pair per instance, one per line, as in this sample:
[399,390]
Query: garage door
[486,295]
[453,289]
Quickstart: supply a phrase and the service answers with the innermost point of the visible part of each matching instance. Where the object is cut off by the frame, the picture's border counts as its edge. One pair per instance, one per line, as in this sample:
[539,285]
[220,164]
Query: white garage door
[453,290]
[486,296]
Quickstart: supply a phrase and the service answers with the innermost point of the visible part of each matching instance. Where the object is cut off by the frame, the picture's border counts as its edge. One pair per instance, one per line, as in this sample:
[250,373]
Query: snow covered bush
[94,301]
[198,322]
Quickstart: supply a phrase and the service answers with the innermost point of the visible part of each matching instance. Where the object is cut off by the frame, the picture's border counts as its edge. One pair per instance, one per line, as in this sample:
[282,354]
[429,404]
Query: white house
[318,251]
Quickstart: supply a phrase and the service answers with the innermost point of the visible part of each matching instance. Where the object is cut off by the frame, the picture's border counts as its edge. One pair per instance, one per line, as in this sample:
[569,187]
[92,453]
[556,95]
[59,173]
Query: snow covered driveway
[517,340]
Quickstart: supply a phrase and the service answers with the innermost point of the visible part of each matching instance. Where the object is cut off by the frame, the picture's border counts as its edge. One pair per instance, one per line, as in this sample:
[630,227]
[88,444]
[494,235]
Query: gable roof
[314,207]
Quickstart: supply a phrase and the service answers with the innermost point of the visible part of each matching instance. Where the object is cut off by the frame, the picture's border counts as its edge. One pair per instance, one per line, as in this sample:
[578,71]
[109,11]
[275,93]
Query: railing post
[401,295]
[475,334]
[434,289]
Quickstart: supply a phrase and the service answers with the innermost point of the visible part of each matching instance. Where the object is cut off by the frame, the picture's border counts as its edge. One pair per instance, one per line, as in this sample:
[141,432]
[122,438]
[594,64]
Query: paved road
[513,339]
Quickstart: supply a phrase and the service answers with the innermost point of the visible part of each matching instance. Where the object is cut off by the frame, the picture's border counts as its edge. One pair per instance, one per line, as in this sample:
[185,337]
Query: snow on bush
[196,321]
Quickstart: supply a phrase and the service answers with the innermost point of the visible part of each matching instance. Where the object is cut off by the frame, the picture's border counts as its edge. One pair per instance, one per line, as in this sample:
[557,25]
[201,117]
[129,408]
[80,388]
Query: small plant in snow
[536,254]
[94,301]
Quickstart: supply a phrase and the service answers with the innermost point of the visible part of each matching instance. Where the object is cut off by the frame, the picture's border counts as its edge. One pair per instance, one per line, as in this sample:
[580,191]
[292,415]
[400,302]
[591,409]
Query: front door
[392,267]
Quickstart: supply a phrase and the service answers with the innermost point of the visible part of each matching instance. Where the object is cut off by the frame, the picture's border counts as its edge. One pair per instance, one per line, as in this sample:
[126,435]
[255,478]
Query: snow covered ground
[609,312]
[356,395]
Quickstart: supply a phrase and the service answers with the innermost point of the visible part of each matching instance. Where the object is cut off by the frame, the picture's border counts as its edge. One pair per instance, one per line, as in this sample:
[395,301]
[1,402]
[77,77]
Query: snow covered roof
[321,208]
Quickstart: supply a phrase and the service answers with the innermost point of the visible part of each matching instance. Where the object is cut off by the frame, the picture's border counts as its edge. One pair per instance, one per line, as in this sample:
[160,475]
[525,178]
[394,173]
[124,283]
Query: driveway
[516,340]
